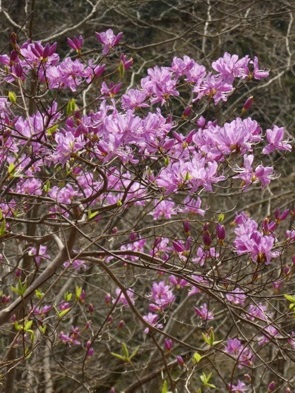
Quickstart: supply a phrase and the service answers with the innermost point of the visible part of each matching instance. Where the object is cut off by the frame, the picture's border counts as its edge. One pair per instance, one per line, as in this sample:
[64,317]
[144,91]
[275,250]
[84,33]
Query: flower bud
[121,324]
[220,232]
[168,344]
[207,239]
[271,387]
[180,360]
[248,103]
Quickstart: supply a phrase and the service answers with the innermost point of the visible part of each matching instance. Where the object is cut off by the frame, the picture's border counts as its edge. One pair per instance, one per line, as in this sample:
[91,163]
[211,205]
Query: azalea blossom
[275,140]
[109,40]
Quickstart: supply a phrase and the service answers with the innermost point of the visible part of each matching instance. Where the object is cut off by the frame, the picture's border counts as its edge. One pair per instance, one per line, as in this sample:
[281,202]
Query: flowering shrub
[120,247]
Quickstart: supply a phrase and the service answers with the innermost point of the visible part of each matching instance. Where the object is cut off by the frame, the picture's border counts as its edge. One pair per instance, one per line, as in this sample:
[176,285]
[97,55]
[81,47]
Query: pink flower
[108,39]
[231,67]
[275,141]
[163,209]
[237,296]
[152,319]
[76,264]
[133,99]
[257,73]
[159,84]
[271,332]
[243,354]
[258,312]
[161,295]
[121,299]
[204,313]
[76,43]
[240,387]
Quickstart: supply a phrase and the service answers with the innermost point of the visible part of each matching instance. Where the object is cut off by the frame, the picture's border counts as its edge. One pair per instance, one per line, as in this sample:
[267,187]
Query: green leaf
[125,350]
[206,338]
[2,227]
[12,97]
[197,357]
[68,296]
[11,169]
[134,353]
[71,106]
[78,292]
[39,294]
[121,69]
[20,289]
[290,298]
[205,379]
[17,326]
[51,130]
[28,325]
[46,186]
[121,357]
[220,217]
[42,328]
[62,313]
[91,214]
[164,387]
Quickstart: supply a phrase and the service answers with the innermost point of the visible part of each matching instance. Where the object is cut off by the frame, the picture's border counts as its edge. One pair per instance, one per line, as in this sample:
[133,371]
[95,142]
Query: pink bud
[277,285]
[90,352]
[271,387]
[286,270]
[110,319]
[220,231]
[121,324]
[108,298]
[207,239]
[127,63]
[133,236]
[180,360]
[91,308]
[186,227]
[18,273]
[248,103]
[168,344]
[187,111]
[87,324]
[247,378]
[201,122]
[281,216]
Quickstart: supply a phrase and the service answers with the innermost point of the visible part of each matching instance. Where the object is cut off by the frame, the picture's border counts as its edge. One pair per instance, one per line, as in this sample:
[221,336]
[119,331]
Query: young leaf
[91,215]
[62,313]
[197,357]
[78,292]
[2,228]
[12,97]
[11,169]
[290,298]
[28,325]
[164,387]
[71,106]
[125,350]
[39,294]
[68,296]
[134,352]
[121,357]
